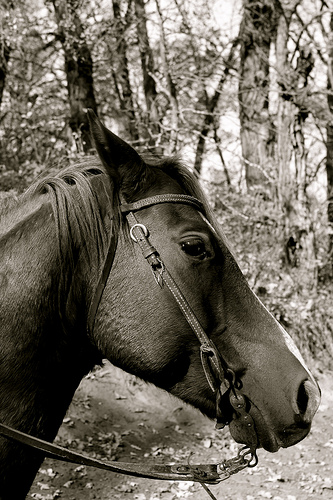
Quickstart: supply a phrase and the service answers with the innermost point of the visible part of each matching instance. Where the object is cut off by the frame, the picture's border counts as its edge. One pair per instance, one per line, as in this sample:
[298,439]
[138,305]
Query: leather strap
[221,379]
[162,198]
[109,258]
[208,352]
[207,473]
[108,261]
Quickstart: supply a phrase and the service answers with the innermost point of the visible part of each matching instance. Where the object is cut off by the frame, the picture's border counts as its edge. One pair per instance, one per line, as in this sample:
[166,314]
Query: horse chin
[268,437]
[267,440]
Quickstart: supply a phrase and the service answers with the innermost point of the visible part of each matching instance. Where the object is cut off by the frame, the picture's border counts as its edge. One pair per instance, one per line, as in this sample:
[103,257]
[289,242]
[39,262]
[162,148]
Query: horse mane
[81,200]
[78,213]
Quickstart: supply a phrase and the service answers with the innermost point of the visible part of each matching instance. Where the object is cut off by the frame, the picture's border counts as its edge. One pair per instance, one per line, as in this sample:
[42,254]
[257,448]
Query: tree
[292,162]
[329,160]
[121,73]
[4,58]
[152,126]
[170,87]
[257,32]
[78,69]
[183,77]
[210,118]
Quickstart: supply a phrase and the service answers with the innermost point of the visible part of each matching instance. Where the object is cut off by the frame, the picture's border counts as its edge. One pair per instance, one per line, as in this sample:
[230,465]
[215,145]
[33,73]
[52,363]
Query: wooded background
[243,90]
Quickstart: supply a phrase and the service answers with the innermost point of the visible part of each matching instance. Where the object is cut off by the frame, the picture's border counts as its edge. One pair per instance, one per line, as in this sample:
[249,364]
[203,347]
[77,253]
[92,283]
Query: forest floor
[117,417]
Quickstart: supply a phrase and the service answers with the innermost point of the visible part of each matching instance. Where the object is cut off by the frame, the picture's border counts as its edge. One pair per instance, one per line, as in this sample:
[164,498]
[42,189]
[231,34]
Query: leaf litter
[106,428]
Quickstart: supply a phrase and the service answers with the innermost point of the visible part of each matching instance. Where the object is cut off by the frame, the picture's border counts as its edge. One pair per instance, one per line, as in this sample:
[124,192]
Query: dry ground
[115,416]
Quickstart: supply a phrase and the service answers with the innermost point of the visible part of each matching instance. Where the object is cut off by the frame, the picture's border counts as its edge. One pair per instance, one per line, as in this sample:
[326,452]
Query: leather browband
[162,198]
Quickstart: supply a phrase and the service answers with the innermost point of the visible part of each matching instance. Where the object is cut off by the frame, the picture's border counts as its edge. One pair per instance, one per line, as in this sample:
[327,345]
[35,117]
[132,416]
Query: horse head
[141,327]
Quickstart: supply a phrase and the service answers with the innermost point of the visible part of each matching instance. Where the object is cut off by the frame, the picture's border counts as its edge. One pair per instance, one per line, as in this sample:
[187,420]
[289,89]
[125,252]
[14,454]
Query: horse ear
[113,151]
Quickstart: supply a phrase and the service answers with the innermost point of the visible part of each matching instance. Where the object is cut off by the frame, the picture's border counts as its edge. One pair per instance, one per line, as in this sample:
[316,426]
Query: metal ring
[144,229]
[247,450]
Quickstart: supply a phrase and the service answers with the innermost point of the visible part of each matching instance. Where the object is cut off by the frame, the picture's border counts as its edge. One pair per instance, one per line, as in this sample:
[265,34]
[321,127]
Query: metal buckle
[142,227]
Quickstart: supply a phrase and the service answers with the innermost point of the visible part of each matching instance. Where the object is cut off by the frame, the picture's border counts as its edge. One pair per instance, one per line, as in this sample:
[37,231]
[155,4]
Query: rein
[221,379]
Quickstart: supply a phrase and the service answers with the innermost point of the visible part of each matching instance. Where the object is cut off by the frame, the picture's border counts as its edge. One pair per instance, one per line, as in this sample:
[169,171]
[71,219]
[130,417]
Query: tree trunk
[329,160]
[170,85]
[299,241]
[4,58]
[147,64]
[78,69]
[121,75]
[211,105]
[329,171]
[256,33]
[284,114]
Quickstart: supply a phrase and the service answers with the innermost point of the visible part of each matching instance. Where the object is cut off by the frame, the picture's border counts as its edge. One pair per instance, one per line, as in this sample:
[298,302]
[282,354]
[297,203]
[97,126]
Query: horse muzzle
[273,431]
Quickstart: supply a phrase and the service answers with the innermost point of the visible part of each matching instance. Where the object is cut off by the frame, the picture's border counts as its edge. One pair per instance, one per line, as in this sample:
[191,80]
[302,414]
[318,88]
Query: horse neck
[41,362]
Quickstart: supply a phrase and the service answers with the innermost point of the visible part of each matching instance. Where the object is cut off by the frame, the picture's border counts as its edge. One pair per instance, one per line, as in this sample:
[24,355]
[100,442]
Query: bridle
[221,379]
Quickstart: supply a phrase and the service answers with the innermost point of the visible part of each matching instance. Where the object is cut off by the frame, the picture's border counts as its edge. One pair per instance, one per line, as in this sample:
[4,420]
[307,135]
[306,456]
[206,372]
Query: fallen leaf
[43,486]
[68,484]
[207,443]
[119,396]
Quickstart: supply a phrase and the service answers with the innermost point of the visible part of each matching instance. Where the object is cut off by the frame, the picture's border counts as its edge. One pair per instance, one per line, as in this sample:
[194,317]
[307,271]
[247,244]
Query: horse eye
[194,248]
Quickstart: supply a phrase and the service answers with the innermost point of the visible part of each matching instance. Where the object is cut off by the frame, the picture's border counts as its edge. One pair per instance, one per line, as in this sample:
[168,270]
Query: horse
[120,257]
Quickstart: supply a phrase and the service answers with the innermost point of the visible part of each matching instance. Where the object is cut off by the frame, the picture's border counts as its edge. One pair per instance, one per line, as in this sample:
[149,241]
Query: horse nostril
[308,399]
[302,399]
